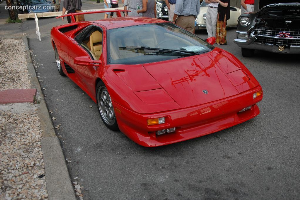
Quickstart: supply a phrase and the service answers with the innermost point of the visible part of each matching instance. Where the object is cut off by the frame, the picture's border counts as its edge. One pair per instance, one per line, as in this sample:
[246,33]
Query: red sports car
[154,81]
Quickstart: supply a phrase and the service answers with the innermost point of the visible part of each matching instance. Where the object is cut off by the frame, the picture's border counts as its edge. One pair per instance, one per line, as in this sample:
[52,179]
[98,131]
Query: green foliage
[13,21]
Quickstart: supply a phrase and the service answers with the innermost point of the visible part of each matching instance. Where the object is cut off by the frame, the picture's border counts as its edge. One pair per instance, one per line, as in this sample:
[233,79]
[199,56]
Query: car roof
[120,22]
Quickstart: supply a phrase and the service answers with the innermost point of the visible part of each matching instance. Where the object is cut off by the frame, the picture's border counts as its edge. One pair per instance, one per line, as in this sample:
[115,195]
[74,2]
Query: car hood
[186,82]
[281,15]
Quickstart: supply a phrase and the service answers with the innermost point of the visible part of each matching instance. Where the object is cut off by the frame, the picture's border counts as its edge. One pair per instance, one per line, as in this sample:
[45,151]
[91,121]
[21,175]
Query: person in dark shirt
[71,6]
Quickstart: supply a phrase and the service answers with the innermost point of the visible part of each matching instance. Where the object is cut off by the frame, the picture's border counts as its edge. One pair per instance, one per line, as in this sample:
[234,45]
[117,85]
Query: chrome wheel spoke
[57,60]
[105,107]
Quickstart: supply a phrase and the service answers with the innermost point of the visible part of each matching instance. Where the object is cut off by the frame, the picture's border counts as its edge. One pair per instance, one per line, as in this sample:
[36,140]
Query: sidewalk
[32,162]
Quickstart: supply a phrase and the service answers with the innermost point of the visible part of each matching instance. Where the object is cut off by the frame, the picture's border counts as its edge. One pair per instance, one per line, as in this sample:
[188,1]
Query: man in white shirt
[185,14]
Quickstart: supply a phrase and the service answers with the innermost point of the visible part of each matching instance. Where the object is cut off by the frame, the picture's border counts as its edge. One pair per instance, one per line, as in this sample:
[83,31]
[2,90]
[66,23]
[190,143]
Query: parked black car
[162,10]
[274,28]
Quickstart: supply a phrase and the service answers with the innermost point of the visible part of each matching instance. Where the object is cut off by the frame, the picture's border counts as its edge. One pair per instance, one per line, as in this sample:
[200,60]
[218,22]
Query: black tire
[58,63]
[247,52]
[106,108]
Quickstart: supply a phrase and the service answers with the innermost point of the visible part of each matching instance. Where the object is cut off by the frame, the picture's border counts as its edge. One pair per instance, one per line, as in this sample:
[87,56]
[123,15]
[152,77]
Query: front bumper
[190,122]
[275,47]
[164,17]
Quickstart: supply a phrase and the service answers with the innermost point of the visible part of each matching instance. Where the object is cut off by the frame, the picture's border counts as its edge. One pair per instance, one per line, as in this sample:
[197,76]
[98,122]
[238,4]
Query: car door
[90,42]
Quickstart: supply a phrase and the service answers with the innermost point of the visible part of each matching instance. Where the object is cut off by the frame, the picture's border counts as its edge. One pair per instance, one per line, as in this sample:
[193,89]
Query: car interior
[92,43]
[96,44]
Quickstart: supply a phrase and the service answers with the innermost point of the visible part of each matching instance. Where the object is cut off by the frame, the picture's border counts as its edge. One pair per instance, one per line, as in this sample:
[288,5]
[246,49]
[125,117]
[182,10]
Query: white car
[200,22]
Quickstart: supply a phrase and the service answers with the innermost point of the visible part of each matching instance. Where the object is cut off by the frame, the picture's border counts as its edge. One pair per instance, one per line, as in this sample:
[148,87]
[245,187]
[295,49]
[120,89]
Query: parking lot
[258,159]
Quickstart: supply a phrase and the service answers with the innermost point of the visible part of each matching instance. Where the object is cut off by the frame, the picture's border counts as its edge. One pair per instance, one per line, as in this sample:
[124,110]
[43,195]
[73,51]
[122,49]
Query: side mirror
[85,60]
[211,40]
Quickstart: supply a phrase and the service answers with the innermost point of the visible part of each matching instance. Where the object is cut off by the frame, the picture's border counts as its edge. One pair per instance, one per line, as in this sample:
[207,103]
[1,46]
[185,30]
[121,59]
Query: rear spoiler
[72,15]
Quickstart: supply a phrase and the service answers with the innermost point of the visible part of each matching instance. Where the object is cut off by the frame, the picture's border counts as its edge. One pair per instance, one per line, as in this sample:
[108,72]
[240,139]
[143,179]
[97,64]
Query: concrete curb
[58,180]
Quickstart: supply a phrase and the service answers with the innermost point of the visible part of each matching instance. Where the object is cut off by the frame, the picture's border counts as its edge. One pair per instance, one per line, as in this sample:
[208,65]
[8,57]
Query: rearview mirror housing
[211,40]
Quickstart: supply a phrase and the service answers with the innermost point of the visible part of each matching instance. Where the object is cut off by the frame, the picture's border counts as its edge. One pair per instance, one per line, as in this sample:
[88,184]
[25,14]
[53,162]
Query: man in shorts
[107,4]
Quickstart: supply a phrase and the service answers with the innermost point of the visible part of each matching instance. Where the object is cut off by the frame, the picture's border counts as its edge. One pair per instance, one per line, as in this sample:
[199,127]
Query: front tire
[58,63]
[106,108]
[247,52]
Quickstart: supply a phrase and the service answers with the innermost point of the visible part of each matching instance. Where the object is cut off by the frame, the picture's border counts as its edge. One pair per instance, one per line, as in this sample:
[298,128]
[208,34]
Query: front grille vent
[281,37]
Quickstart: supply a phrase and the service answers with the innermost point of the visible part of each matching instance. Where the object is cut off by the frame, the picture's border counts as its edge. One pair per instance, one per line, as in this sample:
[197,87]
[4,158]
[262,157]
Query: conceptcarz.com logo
[27,7]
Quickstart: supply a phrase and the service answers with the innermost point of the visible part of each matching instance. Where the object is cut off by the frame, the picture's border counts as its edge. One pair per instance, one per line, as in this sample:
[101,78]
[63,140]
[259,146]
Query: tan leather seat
[96,44]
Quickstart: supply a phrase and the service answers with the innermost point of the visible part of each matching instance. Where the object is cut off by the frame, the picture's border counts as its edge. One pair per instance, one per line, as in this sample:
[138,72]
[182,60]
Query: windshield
[152,43]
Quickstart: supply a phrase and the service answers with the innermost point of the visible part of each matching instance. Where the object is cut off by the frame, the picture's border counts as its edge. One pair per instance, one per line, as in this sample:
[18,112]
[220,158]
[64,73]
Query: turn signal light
[257,94]
[156,121]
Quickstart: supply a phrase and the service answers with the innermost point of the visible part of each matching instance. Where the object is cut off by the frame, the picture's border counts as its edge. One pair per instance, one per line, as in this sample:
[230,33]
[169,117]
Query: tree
[12,11]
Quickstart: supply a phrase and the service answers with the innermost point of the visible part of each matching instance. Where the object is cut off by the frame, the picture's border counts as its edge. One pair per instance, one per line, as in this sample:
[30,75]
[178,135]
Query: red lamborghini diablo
[153,81]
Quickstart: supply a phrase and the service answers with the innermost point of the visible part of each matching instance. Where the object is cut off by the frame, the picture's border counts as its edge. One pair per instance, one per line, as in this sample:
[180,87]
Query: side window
[92,43]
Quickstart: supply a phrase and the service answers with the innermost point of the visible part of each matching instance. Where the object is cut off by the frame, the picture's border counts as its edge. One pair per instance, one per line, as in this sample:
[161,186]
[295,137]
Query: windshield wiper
[159,51]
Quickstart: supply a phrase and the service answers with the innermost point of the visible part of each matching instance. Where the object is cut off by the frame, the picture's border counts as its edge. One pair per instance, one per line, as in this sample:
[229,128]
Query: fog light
[257,94]
[245,109]
[155,121]
[164,131]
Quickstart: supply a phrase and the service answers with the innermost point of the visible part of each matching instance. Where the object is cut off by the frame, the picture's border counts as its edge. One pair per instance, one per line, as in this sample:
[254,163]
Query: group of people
[218,12]
[140,8]
[137,8]
[181,12]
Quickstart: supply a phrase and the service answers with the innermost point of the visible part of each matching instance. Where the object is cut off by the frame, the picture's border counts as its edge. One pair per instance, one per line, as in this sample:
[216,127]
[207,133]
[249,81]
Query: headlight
[158,6]
[158,9]
[244,21]
[204,16]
